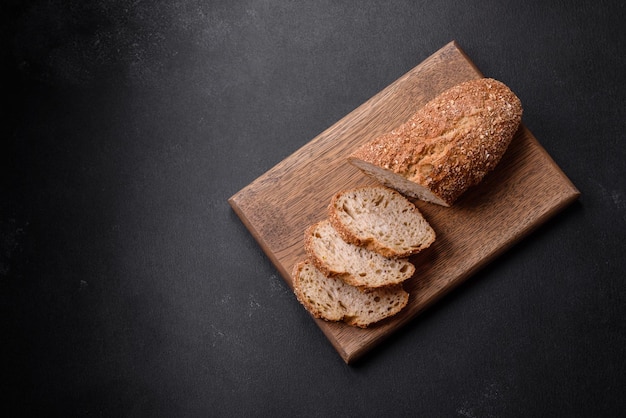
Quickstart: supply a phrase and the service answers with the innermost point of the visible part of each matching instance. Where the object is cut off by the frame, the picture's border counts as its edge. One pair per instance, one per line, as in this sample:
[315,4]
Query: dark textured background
[128,287]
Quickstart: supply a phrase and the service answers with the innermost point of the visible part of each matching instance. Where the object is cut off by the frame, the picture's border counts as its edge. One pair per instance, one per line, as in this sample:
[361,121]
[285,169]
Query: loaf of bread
[356,266]
[334,300]
[380,219]
[448,145]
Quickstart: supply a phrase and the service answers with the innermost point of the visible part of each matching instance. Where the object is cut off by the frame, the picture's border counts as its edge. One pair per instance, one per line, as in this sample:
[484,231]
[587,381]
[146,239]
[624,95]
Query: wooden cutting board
[524,190]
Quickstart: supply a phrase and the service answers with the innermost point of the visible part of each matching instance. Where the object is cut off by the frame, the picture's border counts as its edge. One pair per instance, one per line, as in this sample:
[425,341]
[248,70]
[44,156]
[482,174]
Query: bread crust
[295,274]
[452,142]
[319,264]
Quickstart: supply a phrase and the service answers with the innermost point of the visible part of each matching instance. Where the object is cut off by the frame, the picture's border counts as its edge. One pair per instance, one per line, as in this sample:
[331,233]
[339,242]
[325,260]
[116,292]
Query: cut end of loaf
[397,182]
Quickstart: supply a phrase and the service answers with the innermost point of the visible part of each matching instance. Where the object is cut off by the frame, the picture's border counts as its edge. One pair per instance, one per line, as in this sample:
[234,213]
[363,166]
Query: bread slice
[355,265]
[334,300]
[380,219]
[448,145]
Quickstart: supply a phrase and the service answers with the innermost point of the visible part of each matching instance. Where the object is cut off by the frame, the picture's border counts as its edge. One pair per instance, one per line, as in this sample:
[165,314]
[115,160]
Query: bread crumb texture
[333,300]
[380,219]
[355,265]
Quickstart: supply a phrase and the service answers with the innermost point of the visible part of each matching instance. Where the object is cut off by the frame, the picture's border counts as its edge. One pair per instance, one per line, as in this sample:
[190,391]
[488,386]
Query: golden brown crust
[295,274]
[308,248]
[453,141]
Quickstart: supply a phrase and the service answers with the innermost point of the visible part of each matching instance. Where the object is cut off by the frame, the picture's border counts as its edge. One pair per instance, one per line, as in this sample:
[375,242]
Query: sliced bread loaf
[380,219]
[448,145]
[355,265]
[334,300]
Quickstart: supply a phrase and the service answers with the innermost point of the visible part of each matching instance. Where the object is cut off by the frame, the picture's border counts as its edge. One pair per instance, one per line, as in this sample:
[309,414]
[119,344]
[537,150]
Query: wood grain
[525,190]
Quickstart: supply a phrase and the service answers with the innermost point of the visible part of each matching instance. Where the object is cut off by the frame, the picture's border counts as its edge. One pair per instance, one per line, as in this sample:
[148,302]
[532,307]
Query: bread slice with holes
[332,299]
[380,219]
[447,146]
[356,266]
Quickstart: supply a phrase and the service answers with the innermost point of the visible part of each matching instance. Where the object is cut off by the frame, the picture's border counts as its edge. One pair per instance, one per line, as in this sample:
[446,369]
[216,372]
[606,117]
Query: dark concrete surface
[128,287]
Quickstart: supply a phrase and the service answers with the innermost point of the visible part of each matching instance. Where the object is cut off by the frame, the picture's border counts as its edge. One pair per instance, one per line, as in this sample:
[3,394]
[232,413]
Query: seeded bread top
[453,141]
